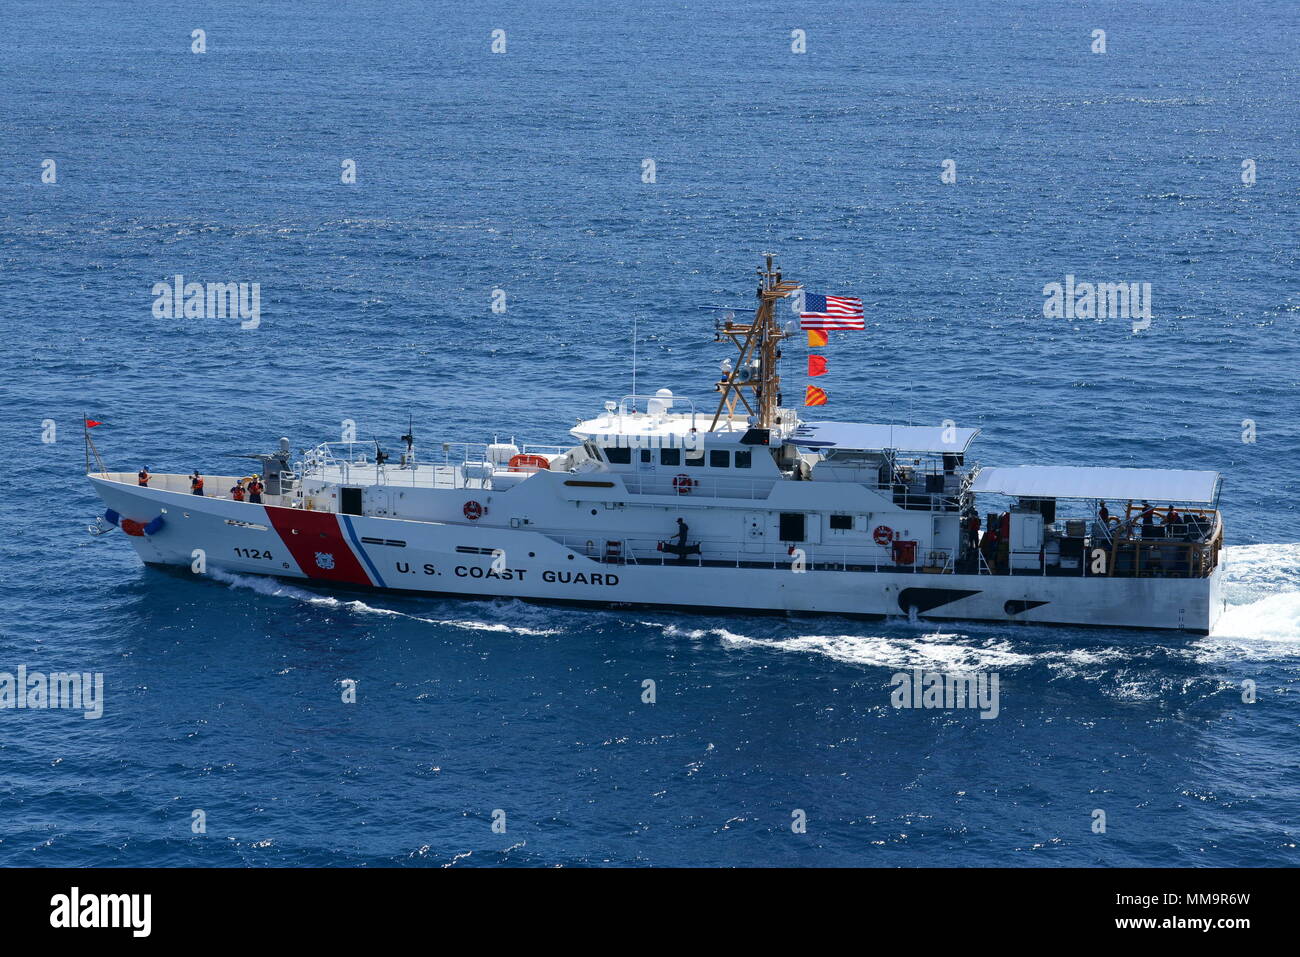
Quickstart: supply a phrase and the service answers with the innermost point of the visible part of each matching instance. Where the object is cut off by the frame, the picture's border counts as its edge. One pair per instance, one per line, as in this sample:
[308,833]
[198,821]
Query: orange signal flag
[91,423]
[816,365]
[814,396]
[818,337]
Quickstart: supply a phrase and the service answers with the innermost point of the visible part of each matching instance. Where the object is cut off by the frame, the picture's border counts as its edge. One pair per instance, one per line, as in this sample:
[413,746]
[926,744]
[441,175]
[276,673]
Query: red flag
[91,423]
[816,365]
[814,396]
[818,337]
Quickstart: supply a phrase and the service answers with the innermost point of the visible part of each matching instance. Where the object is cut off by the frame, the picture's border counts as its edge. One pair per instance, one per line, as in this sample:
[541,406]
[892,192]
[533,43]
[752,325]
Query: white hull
[452,558]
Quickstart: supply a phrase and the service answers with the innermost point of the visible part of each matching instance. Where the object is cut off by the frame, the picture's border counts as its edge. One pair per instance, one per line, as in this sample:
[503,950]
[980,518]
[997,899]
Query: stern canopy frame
[1183,486]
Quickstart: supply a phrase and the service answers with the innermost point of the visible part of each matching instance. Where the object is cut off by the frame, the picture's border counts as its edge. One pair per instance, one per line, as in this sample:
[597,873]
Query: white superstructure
[781,515]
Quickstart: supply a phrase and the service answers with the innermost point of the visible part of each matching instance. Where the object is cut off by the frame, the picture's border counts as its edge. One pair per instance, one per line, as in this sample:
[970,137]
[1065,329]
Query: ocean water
[523,172]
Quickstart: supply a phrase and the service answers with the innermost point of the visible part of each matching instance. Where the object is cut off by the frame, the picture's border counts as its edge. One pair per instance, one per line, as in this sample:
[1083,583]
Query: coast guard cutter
[781,515]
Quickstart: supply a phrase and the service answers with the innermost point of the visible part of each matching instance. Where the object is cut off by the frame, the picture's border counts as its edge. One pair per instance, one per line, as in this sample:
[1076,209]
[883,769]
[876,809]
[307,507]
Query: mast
[754,381]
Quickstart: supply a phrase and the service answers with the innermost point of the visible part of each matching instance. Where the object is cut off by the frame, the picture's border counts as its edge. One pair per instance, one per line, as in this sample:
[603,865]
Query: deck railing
[1167,554]
[1147,559]
[794,557]
[455,465]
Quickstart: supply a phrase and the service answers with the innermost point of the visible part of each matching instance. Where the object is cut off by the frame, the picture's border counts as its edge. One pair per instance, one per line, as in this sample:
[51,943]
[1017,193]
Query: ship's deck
[402,476]
[214,486]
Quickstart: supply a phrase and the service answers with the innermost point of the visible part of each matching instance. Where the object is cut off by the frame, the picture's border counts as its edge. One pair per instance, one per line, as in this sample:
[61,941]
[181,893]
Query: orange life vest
[144,477]
[237,493]
[196,483]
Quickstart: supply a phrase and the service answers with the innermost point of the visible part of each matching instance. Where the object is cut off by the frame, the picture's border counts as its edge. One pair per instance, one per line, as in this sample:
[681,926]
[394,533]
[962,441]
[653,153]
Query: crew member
[680,547]
[1172,521]
[255,490]
[196,483]
[1103,515]
[237,491]
[143,478]
[973,529]
[1148,520]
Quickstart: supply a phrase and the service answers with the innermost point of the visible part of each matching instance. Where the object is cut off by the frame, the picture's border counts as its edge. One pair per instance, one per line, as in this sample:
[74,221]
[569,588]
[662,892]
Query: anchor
[100,527]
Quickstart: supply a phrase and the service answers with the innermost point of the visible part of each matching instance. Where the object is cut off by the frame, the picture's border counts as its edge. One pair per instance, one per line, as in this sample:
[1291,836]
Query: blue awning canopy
[902,438]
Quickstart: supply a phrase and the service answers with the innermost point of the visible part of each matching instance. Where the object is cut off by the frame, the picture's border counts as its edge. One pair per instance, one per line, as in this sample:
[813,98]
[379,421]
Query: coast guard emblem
[324,560]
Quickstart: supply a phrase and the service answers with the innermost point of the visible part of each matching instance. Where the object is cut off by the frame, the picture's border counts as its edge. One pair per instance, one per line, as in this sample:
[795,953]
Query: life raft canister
[473,510]
[526,462]
[883,534]
[683,484]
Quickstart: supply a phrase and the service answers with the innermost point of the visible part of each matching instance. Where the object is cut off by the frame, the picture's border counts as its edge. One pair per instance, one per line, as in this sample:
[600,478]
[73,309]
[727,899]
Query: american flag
[831,312]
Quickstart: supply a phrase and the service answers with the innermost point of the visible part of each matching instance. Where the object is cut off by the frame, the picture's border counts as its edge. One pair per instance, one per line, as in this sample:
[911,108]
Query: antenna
[633,363]
[758,341]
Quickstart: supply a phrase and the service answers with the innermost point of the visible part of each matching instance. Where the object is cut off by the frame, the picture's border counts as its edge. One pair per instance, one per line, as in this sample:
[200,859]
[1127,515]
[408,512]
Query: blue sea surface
[523,172]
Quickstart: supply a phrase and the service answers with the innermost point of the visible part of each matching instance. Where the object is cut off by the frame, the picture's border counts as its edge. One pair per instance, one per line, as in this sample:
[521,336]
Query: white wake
[277,589]
[1262,588]
[1261,621]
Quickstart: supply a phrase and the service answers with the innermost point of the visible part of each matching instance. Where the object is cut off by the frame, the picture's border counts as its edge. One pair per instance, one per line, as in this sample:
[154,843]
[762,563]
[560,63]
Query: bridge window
[695,457]
[719,458]
[842,523]
[744,458]
[617,456]
[670,456]
[792,526]
[645,455]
